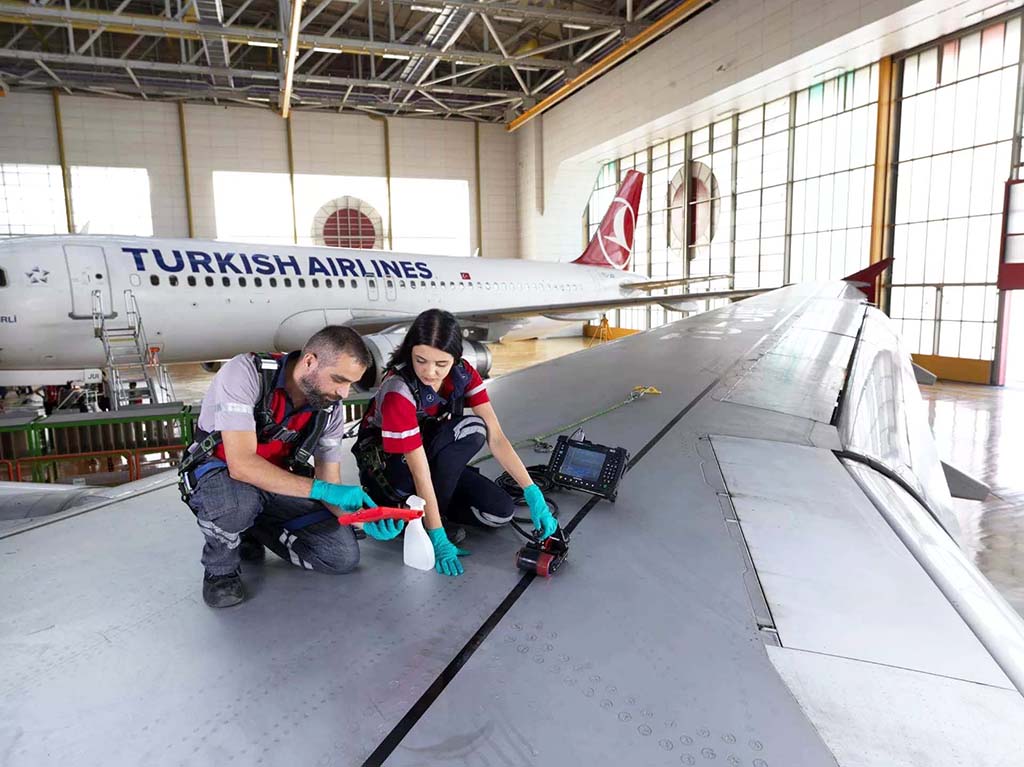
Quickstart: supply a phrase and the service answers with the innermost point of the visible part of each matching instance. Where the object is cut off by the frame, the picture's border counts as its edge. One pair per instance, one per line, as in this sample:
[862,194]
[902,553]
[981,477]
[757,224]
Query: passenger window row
[192,281]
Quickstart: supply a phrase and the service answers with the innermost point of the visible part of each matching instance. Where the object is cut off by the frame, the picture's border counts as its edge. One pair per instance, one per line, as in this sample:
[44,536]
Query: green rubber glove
[385,529]
[446,553]
[539,512]
[346,497]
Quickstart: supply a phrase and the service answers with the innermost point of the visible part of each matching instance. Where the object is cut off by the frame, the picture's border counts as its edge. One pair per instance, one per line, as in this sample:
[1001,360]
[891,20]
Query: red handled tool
[377,514]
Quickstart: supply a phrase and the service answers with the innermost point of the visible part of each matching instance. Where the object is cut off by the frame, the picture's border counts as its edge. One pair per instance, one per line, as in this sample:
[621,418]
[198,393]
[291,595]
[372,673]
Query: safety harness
[268,367]
[369,446]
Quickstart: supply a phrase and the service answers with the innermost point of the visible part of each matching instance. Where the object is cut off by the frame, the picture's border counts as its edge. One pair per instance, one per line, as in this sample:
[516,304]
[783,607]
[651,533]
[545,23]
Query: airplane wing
[388,321]
[673,282]
[778,583]
[602,306]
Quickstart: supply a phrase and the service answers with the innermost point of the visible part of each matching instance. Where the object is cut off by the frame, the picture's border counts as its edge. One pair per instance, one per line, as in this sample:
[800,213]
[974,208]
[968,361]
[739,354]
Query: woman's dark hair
[434,327]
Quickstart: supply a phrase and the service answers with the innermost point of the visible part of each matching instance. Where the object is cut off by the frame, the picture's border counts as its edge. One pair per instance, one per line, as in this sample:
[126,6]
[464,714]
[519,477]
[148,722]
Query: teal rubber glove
[385,529]
[539,512]
[446,553]
[347,497]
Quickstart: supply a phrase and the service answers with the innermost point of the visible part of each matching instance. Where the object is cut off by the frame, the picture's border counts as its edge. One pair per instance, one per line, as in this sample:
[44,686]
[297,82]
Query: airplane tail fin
[865,278]
[612,244]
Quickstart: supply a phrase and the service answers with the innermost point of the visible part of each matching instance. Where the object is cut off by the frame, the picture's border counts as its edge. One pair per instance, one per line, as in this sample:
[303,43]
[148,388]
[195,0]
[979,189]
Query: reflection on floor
[978,429]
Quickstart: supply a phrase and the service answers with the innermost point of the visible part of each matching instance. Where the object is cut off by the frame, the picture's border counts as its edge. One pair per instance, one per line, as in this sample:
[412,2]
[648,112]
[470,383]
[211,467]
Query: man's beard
[316,399]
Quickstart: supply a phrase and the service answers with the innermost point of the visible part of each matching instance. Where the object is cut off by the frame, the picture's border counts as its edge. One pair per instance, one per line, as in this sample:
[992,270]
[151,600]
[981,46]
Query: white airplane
[204,300]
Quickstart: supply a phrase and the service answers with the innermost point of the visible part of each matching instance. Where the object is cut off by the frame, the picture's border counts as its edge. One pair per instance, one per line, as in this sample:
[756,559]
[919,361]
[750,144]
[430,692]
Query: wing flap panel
[837,578]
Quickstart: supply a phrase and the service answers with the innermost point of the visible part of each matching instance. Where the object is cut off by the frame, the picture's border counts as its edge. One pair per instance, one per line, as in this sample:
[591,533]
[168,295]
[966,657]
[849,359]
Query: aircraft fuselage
[204,300]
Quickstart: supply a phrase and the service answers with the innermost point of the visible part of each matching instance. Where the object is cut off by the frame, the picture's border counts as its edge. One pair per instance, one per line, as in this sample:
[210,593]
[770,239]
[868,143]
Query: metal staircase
[134,374]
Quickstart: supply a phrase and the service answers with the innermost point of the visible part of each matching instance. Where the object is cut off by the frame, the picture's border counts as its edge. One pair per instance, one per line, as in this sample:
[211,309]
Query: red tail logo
[612,244]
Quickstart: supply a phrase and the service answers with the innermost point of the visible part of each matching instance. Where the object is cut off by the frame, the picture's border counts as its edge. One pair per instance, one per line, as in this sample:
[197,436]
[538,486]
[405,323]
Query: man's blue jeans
[225,508]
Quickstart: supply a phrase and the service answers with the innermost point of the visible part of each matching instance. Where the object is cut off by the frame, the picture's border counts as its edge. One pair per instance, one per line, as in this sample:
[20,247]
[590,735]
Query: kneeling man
[247,476]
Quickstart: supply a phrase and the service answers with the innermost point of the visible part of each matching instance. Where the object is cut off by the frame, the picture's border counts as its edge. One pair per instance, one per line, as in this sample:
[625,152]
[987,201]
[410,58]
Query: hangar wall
[733,56]
[120,150]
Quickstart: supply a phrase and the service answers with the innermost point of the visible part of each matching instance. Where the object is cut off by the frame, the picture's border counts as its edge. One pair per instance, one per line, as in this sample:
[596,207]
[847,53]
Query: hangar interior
[782,142]
[818,138]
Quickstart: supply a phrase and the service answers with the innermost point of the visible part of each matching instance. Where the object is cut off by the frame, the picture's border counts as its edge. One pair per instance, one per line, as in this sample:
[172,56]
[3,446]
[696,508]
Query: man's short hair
[333,341]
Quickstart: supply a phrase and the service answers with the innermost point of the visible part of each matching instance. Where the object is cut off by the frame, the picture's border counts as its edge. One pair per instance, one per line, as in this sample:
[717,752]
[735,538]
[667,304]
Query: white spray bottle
[418,551]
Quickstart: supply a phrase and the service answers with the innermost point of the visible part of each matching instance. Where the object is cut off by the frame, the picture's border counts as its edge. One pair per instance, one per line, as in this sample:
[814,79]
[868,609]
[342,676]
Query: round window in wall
[348,222]
[703,209]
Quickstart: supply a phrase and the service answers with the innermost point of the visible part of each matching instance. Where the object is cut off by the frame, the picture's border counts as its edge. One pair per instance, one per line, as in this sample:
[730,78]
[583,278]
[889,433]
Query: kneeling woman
[416,437]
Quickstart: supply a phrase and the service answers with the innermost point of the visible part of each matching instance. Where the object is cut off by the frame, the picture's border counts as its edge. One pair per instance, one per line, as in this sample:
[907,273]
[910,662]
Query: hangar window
[241,282]
[225,281]
[348,222]
[209,282]
[950,191]
[32,198]
[173,280]
[154,279]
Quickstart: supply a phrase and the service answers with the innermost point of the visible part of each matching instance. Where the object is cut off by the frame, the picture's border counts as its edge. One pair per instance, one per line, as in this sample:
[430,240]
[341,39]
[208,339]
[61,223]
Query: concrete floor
[977,429]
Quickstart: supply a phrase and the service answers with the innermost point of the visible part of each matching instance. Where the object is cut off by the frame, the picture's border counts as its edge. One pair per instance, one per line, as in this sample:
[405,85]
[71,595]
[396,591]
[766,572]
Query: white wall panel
[239,178]
[224,142]
[498,204]
[27,132]
[121,134]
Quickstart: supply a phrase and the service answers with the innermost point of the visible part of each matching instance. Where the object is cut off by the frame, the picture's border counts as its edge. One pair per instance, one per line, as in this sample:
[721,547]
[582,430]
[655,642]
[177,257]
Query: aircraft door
[372,289]
[390,292]
[87,273]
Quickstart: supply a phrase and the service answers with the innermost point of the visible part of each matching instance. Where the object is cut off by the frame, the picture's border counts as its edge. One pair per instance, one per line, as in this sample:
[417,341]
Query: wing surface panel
[837,578]
[105,638]
[642,650]
[997,625]
[871,715]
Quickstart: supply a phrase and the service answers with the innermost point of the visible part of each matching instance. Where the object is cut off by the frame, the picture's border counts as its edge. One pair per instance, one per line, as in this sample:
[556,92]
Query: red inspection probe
[377,514]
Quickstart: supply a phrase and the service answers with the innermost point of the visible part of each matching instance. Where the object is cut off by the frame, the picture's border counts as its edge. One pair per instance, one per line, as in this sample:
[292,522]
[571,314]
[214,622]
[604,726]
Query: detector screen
[583,464]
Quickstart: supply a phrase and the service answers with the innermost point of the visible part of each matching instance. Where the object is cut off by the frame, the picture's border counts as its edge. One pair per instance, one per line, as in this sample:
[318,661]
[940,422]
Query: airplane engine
[383,345]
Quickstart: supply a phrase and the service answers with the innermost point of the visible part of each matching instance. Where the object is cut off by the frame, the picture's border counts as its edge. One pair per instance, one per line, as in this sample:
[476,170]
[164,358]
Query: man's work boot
[223,590]
[250,549]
